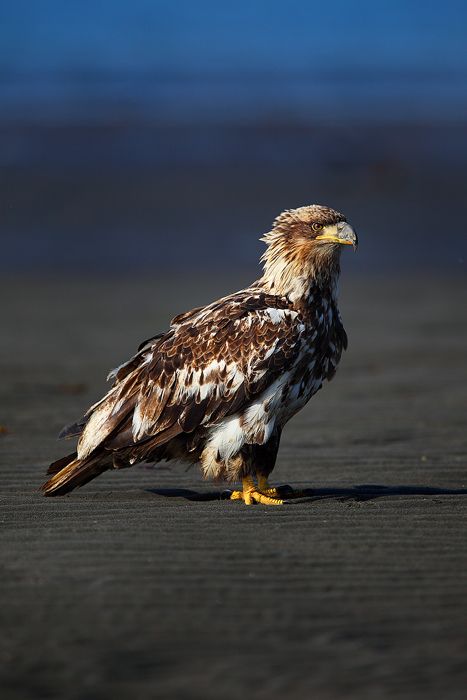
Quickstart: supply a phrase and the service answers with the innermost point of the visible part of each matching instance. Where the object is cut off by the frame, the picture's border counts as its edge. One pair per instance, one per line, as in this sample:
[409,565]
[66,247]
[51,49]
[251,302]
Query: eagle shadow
[360,492]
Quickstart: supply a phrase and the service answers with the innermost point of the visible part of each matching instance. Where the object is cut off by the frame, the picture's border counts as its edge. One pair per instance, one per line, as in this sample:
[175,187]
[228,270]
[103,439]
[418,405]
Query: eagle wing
[207,366]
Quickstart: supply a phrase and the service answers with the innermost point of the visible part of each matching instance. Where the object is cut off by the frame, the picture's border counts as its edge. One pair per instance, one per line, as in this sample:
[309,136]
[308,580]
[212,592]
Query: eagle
[219,385]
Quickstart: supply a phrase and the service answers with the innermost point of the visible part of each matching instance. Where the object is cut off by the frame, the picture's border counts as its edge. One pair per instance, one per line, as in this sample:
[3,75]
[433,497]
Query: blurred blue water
[197,61]
[138,131]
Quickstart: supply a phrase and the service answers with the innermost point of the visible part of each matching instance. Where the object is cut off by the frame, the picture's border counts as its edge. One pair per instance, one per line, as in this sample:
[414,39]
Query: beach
[147,583]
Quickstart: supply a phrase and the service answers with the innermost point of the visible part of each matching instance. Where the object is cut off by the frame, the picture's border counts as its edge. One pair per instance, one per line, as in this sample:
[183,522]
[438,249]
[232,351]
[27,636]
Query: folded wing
[209,365]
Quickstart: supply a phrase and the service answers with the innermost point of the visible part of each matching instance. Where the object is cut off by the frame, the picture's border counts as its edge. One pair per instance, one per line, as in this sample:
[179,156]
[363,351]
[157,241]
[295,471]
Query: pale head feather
[294,260]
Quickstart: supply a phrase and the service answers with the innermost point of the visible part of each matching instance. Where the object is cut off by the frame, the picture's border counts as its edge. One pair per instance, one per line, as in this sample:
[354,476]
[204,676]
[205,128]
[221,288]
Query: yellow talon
[271,491]
[264,487]
[252,494]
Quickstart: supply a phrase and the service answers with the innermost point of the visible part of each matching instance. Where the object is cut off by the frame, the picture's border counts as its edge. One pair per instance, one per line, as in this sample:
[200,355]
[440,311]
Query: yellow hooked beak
[342,233]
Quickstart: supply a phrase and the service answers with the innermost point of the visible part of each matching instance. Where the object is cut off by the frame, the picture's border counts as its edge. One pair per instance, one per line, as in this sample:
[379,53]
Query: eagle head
[305,244]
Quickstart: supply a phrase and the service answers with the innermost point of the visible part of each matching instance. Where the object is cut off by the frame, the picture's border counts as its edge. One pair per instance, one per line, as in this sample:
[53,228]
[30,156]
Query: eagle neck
[303,290]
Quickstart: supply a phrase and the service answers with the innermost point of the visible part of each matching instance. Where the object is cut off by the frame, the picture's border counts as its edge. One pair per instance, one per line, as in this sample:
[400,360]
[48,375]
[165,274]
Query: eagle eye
[317,227]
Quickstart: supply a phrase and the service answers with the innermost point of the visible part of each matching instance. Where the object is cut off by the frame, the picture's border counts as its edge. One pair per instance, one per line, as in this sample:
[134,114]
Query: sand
[146,584]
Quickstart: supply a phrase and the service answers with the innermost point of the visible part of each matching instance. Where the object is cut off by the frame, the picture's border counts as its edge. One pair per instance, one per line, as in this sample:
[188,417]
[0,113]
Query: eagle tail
[71,472]
[62,462]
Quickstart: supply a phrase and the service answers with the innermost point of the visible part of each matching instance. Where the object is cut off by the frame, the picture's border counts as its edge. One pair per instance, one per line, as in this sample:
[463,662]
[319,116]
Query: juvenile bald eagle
[220,384]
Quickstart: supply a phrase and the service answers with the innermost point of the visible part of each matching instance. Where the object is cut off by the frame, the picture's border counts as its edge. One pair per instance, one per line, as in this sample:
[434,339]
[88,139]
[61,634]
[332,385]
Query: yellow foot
[284,492]
[273,492]
[255,496]
[252,494]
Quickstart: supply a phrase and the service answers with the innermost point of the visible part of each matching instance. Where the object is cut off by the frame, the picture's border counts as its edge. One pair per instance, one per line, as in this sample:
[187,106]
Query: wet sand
[146,584]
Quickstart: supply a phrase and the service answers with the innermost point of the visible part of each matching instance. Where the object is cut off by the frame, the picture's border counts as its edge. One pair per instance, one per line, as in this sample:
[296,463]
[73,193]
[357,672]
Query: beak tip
[347,234]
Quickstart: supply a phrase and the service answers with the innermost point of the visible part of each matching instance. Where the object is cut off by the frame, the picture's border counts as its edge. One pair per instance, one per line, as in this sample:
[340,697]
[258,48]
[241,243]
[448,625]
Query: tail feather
[60,463]
[75,473]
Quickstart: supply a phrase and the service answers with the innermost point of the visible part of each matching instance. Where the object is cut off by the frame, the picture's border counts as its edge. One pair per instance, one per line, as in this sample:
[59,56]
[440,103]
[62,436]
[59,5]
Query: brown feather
[214,361]
[77,473]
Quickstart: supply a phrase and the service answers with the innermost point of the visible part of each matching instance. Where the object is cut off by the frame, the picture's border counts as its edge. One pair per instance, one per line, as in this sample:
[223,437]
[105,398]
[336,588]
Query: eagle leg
[253,494]
[280,492]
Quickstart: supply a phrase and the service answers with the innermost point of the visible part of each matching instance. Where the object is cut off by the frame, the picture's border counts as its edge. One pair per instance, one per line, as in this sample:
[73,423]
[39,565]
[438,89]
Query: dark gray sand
[144,584]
